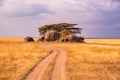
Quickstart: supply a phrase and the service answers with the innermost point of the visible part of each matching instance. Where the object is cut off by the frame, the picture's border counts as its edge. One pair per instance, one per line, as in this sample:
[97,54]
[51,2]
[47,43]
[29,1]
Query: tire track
[58,72]
[40,68]
[59,68]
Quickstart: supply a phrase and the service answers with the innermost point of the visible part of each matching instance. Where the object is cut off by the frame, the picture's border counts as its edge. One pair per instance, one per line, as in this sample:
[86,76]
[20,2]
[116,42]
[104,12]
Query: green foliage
[59,27]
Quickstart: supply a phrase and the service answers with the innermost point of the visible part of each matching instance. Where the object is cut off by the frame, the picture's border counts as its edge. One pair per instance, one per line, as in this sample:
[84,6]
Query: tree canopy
[60,27]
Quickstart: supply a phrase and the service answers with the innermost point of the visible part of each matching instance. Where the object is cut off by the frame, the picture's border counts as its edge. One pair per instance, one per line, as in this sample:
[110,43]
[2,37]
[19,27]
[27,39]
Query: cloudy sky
[98,18]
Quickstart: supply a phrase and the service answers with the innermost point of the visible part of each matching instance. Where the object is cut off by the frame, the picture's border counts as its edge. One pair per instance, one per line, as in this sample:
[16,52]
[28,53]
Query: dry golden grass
[93,62]
[103,41]
[97,59]
[14,39]
[11,39]
[89,61]
[18,58]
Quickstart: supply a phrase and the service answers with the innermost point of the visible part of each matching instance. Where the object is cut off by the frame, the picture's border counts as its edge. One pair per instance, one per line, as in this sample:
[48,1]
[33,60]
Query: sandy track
[58,72]
[59,68]
[40,68]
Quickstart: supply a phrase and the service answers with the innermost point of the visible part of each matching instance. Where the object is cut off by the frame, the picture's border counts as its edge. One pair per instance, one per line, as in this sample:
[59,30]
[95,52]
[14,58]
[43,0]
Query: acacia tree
[61,27]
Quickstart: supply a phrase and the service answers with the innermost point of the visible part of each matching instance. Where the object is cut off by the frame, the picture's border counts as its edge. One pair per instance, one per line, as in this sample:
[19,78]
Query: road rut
[58,72]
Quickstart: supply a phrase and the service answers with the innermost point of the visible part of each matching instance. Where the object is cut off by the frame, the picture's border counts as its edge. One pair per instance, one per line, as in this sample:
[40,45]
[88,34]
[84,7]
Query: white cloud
[34,13]
[71,1]
[82,11]
[22,8]
[109,5]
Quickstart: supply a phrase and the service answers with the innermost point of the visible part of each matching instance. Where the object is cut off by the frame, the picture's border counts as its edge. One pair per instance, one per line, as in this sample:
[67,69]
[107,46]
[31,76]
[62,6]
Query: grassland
[97,59]
[104,41]
[18,58]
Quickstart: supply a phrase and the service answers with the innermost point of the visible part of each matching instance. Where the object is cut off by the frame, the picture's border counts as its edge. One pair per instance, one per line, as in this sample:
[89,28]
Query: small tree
[60,28]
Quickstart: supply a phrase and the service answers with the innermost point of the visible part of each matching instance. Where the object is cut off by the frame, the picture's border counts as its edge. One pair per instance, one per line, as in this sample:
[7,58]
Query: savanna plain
[96,59]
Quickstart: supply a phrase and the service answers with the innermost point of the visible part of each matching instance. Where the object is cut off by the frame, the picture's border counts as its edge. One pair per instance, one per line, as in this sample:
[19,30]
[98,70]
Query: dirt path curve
[58,72]
[59,68]
[40,68]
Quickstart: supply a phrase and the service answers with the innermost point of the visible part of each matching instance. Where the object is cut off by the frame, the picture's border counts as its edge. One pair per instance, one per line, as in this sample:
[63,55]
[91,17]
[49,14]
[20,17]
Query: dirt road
[58,72]
[59,69]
